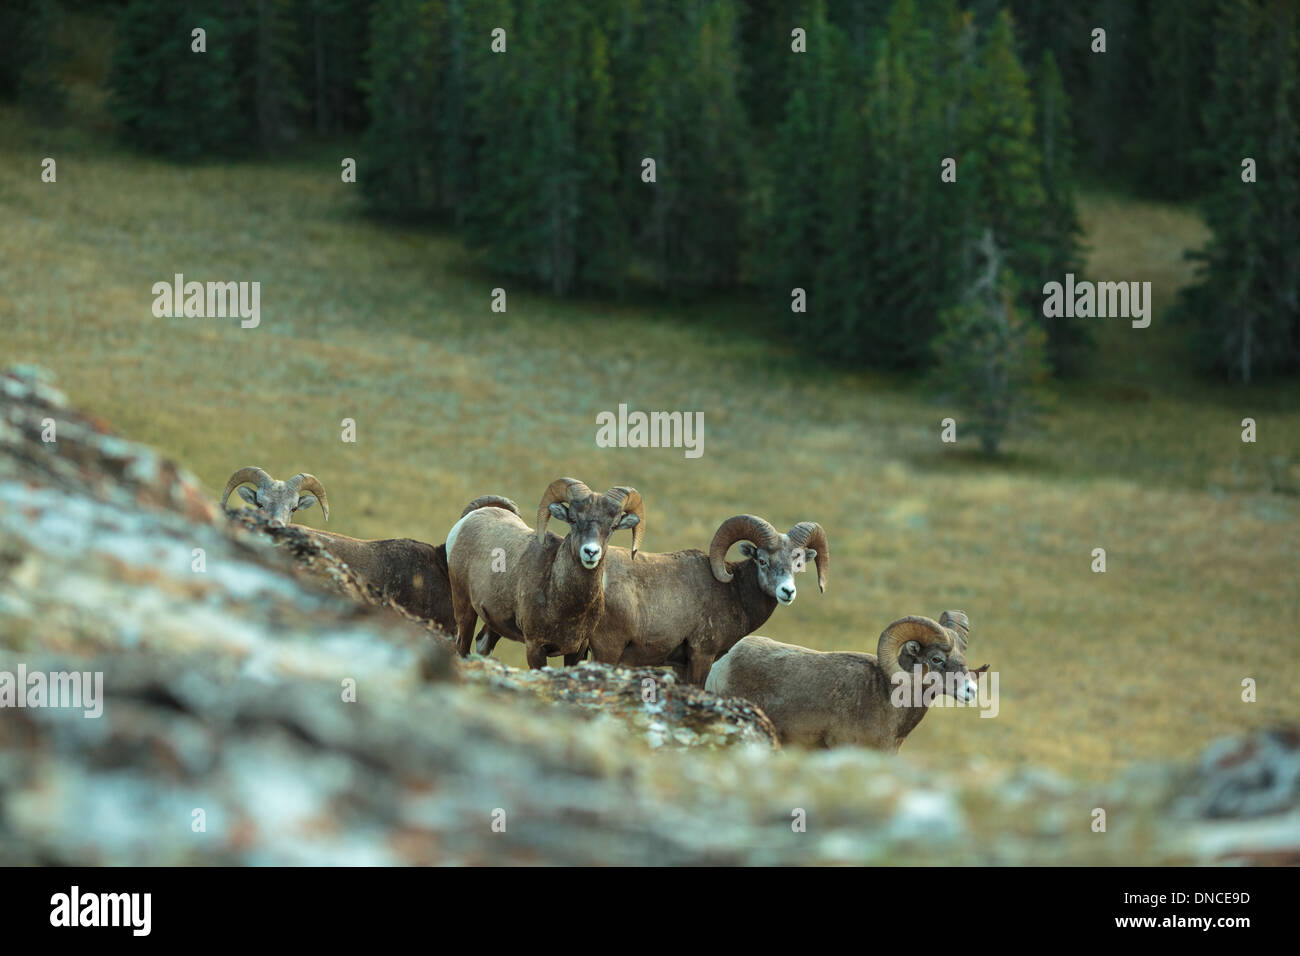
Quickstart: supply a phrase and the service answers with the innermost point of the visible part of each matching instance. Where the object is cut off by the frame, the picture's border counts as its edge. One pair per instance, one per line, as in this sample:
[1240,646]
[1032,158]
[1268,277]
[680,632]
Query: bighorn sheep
[412,574]
[825,698]
[535,587]
[689,609]
[277,500]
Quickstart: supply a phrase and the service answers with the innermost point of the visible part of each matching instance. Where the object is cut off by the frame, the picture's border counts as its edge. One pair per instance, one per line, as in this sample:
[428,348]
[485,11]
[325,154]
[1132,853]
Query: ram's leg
[577,657]
[486,641]
[698,666]
[465,618]
[536,654]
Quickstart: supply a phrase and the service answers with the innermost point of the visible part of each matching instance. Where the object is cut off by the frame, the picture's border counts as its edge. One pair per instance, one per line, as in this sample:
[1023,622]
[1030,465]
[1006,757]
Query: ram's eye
[937,660]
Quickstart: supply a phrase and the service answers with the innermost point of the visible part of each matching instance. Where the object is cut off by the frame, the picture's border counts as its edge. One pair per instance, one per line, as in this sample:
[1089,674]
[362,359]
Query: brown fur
[832,698]
[544,598]
[670,609]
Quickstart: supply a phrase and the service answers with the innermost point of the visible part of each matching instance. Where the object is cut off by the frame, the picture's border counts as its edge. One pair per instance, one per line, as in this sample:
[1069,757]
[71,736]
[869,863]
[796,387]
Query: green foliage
[332,61]
[1174,159]
[817,170]
[855,210]
[807,148]
[686,114]
[168,99]
[245,92]
[545,202]
[416,107]
[991,355]
[1245,311]
[1068,339]
[1001,163]
[32,54]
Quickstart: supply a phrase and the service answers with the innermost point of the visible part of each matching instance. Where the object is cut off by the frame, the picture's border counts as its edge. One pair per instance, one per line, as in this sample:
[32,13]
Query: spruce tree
[990,352]
[688,117]
[1003,166]
[1245,309]
[32,54]
[1068,339]
[1173,135]
[171,100]
[404,147]
[806,173]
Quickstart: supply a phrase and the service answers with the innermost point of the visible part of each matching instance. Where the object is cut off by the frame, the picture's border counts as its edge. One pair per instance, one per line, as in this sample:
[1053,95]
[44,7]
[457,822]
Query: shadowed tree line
[773,170]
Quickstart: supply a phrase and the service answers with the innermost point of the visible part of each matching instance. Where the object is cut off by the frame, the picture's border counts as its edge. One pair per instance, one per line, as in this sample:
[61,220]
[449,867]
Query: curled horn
[561,489]
[959,624]
[810,534]
[311,484]
[491,501]
[738,528]
[631,501]
[247,475]
[913,628]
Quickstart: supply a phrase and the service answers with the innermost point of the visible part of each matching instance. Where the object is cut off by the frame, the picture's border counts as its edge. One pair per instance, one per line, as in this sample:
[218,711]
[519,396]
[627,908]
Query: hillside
[248,716]
[393,328]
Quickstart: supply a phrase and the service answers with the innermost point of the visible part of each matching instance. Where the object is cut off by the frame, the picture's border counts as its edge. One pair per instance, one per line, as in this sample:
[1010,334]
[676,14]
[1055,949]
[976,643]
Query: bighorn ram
[412,574]
[825,698]
[277,500]
[689,609]
[535,587]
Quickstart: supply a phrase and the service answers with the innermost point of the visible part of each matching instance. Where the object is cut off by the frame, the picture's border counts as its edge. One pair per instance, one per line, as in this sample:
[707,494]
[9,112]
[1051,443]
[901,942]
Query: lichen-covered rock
[659,709]
[259,707]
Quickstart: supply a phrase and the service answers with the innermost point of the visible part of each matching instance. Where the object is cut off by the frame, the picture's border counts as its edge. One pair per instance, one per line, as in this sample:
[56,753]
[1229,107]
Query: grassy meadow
[392,327]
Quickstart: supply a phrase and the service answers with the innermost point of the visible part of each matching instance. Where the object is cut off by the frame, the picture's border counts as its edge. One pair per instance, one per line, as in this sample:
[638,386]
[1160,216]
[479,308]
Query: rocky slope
[260,705]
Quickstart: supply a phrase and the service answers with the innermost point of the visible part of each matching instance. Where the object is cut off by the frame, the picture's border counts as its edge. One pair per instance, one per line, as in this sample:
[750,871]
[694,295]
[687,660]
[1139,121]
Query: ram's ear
[627,521]
[913,648]
[801,558]
[561,511]
[306,501]
[248,494]
[747,549]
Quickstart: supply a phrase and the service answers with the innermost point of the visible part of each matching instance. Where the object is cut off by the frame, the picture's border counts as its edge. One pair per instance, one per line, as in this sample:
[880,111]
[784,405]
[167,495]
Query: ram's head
[777,557]
[277,500]
[933,647]
[591,517]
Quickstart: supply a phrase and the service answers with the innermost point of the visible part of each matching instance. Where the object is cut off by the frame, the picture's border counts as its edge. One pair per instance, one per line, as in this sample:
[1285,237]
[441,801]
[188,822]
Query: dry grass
[393,329]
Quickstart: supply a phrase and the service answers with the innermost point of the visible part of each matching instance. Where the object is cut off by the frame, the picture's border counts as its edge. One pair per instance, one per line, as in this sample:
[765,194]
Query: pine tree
[545,201]
[912,219]
[171,100]
[990,353]
[603,250]
[333,61]
[265,73]
[32,54]
[1002,165]
[417,146]
[1068,339]
[688,118]
[794,244]
[1173,136]
[1245,309]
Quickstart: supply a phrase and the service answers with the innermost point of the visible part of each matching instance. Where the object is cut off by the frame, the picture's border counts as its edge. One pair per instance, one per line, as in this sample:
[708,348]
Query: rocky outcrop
[260,705]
